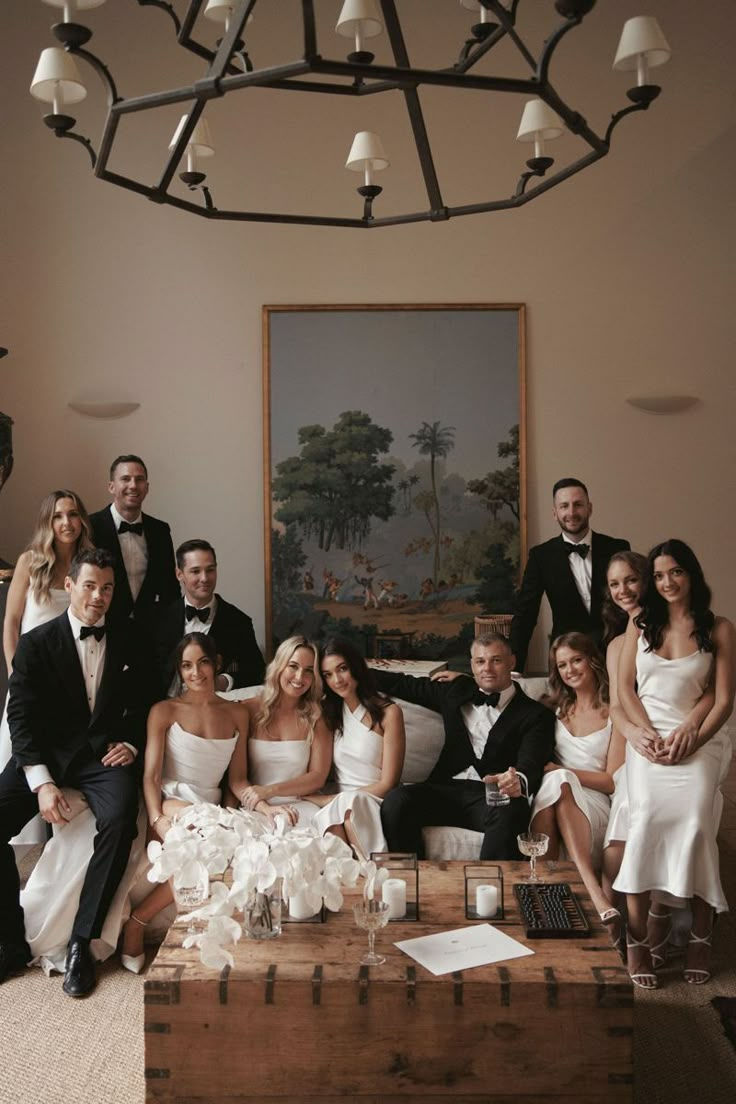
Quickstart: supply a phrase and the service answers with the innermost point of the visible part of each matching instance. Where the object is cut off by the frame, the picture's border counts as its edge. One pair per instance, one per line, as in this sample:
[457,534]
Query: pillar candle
[486,900]
[394,894]
[299,909]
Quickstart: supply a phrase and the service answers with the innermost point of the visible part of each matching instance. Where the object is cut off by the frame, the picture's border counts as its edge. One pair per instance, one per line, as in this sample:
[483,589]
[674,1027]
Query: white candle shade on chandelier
[230,68]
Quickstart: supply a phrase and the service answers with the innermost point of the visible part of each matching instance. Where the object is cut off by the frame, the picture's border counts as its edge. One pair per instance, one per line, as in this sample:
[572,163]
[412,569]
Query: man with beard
[570,569]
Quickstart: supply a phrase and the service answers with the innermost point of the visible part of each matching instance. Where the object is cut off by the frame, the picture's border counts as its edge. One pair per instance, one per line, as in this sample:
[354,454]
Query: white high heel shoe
[134,963]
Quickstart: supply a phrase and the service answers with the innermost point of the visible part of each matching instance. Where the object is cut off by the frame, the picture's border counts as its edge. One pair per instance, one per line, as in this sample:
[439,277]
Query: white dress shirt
[91,655]
[582,569]
[479,720]
[134,551]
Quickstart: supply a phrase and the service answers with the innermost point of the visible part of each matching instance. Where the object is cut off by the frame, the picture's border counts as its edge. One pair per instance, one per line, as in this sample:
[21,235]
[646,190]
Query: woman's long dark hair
[655,612]
[615,619]
[561,698]
[367,691]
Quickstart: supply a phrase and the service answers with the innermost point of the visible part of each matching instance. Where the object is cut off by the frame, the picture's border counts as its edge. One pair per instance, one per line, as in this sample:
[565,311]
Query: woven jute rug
[60,1051]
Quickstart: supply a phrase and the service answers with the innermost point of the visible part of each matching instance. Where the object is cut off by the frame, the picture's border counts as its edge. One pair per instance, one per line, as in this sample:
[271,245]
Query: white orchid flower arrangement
[262,856]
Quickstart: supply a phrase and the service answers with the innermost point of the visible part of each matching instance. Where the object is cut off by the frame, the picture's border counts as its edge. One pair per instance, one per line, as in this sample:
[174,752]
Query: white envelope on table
[463,948]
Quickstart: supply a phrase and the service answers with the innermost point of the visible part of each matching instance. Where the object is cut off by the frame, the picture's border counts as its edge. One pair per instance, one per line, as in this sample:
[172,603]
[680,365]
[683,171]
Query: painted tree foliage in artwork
[336,485]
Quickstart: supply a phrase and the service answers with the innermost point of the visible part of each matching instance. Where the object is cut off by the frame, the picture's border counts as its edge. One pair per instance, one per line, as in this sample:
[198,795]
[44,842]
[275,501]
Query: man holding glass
[495,736]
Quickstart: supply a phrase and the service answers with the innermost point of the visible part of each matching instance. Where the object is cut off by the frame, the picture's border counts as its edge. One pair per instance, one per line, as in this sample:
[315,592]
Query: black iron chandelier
[230,69]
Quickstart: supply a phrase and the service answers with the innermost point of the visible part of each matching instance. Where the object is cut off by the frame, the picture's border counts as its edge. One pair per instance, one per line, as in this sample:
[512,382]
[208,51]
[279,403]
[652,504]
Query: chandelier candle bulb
[394,894]
[486,900]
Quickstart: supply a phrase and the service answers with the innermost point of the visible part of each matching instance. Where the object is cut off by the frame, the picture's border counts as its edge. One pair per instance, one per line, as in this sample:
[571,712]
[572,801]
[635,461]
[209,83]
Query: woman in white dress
[192,741]
[674,770]
[368,749]
[573,803]
[37,595]
[625,584]
[290,747]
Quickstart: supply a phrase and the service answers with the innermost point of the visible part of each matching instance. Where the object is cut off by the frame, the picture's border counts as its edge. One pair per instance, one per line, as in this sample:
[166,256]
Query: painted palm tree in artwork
[434,441]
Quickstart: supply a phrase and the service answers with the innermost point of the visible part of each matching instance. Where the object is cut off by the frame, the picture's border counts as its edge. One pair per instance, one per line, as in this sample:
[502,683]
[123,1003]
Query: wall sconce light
[663,404]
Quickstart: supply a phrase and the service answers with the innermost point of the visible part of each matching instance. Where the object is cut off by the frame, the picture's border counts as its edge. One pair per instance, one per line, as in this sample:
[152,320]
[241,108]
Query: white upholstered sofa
[425,735]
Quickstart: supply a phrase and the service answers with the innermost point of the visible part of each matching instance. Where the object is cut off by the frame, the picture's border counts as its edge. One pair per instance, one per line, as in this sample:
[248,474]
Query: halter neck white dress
[34,613]
[674,811]
[585,753]
[272,761]
[357,756]
[192,770]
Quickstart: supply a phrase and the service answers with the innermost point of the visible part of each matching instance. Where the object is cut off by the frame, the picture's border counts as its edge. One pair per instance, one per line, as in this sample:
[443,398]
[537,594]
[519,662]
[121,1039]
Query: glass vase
[262,913]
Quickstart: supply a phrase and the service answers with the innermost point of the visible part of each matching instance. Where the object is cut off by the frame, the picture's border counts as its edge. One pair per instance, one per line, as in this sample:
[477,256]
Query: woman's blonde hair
[41,546]
[561,697]
[309,708]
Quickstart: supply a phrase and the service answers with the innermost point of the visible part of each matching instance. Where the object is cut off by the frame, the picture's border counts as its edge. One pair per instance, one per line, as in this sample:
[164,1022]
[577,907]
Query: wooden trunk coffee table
[298,1019]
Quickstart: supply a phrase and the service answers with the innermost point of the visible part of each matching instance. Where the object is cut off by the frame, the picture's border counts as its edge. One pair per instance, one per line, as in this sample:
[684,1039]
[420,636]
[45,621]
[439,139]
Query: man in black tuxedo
[570,569]
[77,718]
[493,733]
[201,610]
[141,546]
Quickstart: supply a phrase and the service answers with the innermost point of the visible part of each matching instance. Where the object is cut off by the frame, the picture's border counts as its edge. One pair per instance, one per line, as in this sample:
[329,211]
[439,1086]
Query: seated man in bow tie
[570,569]
[140,545]
[77,715]
[493,733]
[201,610]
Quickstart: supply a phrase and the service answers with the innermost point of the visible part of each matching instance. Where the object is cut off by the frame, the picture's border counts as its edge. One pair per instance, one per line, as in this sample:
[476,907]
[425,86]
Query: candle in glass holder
[394,894]
[486,900]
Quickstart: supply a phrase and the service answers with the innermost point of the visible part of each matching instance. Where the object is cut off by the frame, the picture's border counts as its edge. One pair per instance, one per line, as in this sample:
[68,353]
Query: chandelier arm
[164,6]
[473,51]
[551,44]
[444,78]
[507,19]
[229,41]
[616,119]
[310,29]
[82,141]
[178,151]
[101,69]
[413,107]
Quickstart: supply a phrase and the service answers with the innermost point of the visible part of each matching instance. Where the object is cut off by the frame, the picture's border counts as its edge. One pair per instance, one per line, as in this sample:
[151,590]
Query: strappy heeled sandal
[642,979]
[698,977]
[133,963]
[660,951]
[611,919]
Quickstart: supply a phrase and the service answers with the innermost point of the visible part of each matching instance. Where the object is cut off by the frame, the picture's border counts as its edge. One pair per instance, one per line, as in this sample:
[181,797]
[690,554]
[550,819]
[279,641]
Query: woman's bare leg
[546,821]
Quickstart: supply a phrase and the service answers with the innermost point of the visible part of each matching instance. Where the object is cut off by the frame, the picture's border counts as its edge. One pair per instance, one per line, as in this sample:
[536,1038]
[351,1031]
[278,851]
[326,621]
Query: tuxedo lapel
[124,594]
[569,593]
[601,556]
[69,667]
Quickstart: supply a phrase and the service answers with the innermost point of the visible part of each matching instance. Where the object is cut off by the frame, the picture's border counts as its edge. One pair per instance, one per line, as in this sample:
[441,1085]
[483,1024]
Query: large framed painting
[394,472]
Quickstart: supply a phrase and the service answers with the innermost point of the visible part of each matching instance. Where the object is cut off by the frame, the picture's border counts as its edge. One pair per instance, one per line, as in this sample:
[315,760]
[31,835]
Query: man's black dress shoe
[14,957]
[79,977]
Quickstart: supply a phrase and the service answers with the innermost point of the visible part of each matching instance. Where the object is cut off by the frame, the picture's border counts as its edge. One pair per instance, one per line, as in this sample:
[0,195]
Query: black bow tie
[131,527]
[479,698]
[191,612]
[581,549]
[97,631]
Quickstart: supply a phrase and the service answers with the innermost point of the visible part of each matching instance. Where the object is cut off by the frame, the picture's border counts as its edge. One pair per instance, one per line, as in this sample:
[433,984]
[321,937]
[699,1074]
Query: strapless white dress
[272,761]
[34,613]
[585,753]
[357,756]
[674,811]
[192,770]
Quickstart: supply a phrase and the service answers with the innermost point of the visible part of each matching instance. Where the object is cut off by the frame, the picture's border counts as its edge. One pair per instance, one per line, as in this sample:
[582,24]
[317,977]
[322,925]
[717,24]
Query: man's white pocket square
[126,668]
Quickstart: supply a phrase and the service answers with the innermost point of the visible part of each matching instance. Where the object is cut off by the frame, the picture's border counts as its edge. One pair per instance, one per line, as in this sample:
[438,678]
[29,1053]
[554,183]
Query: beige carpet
[59,1051]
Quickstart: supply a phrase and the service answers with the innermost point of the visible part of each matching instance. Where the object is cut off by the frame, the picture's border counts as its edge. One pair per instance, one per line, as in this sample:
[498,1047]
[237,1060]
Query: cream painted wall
[627,272]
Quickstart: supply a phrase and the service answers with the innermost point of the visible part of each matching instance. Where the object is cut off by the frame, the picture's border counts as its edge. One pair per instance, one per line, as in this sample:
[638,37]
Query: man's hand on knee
[118,755]
[52,805]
